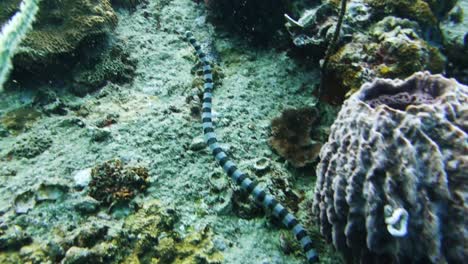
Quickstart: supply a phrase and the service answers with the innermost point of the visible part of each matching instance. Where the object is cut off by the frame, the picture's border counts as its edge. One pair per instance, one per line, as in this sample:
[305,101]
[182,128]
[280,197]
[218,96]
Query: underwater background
[120,131]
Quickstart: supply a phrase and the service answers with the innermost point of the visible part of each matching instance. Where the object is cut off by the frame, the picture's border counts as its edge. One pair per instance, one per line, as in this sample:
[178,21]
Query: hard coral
[391,184]
[291,136]
[60,29]
[113,182]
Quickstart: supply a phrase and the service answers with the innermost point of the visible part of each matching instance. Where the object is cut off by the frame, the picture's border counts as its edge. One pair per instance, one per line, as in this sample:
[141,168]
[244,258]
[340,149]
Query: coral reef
[391,184]
[387,39]
[112,182]
[393,49]
[291,136]
[147,236]
[60,30]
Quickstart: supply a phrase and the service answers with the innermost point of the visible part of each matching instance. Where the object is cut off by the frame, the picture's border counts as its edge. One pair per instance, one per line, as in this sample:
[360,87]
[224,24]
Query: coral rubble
[392,179]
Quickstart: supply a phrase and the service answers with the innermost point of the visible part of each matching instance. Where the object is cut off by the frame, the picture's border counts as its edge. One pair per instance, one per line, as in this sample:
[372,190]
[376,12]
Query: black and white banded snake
[251,187]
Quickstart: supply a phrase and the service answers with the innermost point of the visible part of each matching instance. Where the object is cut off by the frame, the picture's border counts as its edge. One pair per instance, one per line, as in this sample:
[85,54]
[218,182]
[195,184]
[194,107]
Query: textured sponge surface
[402,146]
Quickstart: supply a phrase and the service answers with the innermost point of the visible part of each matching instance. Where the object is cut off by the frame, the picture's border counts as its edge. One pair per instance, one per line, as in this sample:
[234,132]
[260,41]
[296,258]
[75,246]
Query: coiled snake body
[251,187]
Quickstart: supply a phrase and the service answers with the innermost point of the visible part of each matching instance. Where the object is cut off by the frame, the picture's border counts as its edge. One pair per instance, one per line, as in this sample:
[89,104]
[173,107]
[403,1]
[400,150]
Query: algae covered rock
[391,184]
[13,237]
[426,12]
[156,241]
[393,48]
[20,119]
[61,28]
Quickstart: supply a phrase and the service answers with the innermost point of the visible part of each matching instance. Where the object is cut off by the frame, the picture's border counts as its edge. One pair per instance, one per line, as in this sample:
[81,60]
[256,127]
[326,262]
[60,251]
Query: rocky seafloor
[104,161]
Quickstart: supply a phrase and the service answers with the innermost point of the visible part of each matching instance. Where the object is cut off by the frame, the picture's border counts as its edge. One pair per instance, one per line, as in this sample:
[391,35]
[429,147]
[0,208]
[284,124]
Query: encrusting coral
[291,136]
[391,184]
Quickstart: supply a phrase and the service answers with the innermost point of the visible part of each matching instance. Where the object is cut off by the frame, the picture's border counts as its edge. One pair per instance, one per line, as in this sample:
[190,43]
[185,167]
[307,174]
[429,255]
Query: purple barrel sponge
[393,176]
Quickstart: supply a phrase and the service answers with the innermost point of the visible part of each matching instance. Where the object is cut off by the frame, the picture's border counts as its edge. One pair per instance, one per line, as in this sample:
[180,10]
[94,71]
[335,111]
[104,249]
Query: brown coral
[391,184]
[291,136]
[61,27]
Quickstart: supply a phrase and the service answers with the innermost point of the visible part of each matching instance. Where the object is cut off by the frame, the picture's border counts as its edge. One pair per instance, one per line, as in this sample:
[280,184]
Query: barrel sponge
[392,181]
